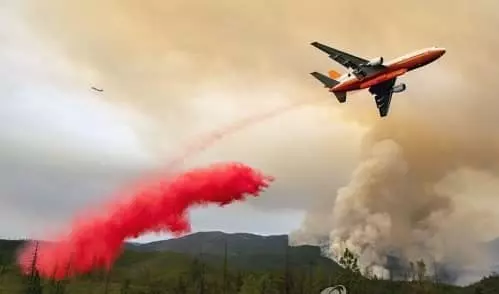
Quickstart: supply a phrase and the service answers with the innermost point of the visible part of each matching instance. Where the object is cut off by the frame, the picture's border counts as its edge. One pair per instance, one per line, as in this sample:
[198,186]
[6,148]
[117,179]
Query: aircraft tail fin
[330,83]
[325,80]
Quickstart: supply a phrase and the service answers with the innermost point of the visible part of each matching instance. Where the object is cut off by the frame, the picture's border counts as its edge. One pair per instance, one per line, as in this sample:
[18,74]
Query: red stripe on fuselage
[393,70]
[383,77]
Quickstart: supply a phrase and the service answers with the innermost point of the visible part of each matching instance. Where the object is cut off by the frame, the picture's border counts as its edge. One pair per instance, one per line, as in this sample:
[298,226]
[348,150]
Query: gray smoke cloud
[426,179]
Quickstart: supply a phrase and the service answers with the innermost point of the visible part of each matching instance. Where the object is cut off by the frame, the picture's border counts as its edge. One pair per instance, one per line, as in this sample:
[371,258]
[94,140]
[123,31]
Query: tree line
[201,277]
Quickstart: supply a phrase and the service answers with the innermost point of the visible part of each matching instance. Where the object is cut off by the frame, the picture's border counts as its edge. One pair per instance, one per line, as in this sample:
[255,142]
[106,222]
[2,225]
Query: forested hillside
[225,264]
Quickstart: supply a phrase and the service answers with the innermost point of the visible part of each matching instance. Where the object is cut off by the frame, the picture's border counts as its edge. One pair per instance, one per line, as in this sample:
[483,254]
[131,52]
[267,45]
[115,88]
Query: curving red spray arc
[211,138]
[96,242]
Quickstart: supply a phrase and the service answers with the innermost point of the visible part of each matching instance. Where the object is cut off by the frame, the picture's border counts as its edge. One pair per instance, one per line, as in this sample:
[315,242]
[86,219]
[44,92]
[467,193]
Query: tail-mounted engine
[399,88]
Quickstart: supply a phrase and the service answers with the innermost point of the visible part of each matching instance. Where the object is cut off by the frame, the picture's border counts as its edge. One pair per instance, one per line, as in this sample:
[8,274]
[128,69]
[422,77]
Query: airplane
[378,77]
[96,89]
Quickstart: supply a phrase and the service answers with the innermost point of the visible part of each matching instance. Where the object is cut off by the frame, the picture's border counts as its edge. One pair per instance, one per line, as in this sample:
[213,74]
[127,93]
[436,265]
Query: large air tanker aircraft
[379,77]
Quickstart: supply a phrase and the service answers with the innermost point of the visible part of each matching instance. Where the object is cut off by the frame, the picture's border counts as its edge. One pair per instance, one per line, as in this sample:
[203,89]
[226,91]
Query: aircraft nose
[441,51]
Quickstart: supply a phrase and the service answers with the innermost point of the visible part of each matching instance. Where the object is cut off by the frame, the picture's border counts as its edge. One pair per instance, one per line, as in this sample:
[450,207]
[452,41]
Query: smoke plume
[424,185]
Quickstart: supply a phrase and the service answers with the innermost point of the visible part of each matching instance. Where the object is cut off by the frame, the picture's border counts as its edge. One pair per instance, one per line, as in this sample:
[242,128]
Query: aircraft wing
[343,58]
[383,95]
[359,65]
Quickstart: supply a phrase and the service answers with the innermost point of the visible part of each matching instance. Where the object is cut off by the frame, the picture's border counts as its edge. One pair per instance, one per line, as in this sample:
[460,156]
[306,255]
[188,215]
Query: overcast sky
[65,147]
[416,181]
[174,69]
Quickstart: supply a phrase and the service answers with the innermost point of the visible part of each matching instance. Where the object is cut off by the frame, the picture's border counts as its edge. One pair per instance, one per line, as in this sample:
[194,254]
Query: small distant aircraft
[98,90]
[373,74]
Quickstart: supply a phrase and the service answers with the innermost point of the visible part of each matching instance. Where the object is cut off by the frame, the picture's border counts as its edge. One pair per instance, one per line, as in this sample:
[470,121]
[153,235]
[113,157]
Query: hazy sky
[64,147]
[174,69]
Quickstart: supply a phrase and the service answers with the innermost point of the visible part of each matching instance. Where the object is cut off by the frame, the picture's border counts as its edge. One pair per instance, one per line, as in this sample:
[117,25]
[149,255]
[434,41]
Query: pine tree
[350,261]
[53,282]
[421,270]
[287,278]
[34,282]
[224,280]
[352,276]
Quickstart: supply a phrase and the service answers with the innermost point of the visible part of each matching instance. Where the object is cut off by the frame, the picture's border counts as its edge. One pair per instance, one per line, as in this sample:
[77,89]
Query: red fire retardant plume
[96,242]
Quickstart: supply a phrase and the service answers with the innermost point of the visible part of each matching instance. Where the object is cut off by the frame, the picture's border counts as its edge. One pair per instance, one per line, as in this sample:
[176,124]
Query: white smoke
[390,207]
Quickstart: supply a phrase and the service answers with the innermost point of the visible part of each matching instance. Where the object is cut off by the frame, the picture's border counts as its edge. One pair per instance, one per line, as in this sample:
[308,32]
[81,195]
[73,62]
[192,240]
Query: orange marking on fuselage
[334,74]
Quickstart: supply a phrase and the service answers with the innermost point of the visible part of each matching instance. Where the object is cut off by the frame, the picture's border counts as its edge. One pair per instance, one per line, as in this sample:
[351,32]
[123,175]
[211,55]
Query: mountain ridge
[244,251]
[214,242]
